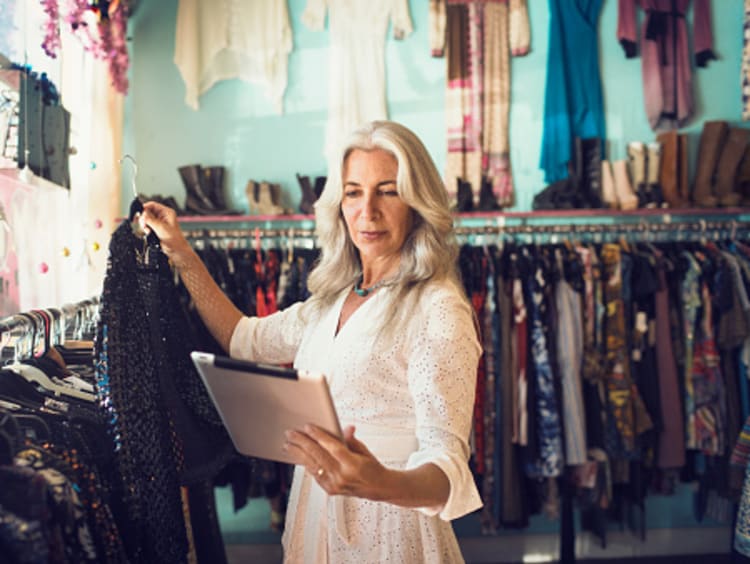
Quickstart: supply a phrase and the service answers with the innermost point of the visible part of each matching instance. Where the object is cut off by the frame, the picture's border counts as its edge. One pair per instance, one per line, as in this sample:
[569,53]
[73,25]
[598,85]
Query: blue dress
[573,104]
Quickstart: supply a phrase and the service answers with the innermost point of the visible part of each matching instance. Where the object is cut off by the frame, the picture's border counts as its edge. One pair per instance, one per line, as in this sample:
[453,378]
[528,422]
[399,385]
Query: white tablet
[259,402]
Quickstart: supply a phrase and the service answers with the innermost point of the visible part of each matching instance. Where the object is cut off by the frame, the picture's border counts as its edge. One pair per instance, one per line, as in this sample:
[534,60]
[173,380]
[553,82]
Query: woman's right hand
[162,220]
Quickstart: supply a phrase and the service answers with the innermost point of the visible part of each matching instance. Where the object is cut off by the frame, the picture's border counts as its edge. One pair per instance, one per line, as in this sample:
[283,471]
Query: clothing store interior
[596,157]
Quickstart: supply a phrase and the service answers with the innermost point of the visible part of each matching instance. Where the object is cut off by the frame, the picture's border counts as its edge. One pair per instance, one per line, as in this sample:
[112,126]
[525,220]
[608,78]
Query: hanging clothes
[573,103]
[356,60]
[745,66]
[671,445]
[478,38]
[166,430]
[224,39]
[665,55]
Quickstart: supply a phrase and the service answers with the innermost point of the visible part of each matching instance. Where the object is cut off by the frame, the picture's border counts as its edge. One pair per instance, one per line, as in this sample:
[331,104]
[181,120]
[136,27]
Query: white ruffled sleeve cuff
[463,497]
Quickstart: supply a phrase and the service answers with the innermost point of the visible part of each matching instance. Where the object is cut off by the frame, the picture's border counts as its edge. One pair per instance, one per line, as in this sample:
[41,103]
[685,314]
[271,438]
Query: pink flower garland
[102,28]
[51,42]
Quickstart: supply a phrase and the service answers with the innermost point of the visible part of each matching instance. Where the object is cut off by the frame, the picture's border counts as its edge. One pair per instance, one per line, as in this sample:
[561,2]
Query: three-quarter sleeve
[442,376]
[273,339]
[400,19]
[436,19]
[627,27]
[703,37]
[519,30]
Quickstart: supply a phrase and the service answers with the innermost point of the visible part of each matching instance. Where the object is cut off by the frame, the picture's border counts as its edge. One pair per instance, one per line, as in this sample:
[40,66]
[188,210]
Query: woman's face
[377,218]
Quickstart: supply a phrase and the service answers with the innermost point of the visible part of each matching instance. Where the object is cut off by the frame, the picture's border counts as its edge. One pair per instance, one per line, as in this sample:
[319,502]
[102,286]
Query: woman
[390,327]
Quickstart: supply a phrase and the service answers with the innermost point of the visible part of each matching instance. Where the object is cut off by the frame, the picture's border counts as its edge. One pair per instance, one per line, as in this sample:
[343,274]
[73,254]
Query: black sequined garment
[166,431]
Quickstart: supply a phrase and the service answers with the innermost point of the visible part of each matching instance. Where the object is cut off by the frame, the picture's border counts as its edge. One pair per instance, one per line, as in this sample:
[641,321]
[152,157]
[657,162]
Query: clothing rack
[551,227]
[539,227]
[22,332]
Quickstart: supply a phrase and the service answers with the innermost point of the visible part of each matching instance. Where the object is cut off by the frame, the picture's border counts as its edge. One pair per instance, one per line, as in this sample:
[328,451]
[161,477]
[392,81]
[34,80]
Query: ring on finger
[320,472]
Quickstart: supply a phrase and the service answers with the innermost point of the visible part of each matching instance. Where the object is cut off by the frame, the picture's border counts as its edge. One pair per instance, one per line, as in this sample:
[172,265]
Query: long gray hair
[430,249]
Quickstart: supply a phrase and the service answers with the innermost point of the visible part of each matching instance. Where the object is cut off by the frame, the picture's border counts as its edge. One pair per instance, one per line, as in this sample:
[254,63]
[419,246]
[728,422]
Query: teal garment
[573,104]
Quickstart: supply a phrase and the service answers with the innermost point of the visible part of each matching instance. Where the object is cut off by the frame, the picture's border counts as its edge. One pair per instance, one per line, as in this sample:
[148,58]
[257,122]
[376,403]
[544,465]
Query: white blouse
[411,403]
[356,59]
[222,39]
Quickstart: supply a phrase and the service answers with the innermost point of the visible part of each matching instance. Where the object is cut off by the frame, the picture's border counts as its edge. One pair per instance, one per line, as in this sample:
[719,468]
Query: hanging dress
[665,54]
[478,38]
[356,59]
[573,103]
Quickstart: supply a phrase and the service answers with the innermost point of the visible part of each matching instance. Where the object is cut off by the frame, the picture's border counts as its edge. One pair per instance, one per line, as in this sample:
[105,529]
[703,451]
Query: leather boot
[626,198]
[608,186]
[637,157]
[712,139]
[487,200]
[683,169]
[264,200]
[653,171]
[743,179]
[671,167]
[464,197]
[725,187]
[213,187]
[588,170]
[320,184]
[196,200]
[251,195]
[277,194]
[308,196]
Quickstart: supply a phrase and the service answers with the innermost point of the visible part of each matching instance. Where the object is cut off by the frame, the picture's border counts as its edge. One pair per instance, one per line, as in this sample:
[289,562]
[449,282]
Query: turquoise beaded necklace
[364,292]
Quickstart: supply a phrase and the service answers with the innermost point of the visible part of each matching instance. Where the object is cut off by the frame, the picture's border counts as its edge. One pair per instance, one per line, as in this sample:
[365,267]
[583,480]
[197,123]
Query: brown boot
[743,179]
[726,170]
[670,169]
[712,140]
[683,168]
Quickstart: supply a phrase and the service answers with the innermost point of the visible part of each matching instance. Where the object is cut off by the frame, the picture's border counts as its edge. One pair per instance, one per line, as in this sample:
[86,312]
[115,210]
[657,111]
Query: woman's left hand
[342,466]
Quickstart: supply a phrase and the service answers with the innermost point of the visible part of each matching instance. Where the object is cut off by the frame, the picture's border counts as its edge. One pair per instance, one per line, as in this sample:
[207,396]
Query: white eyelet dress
[411,403]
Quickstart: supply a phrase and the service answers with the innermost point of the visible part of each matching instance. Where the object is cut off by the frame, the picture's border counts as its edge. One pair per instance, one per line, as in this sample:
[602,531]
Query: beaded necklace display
[364,292]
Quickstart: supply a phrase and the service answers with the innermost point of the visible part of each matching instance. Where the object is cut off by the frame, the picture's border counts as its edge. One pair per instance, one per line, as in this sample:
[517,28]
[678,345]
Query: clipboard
[259,402]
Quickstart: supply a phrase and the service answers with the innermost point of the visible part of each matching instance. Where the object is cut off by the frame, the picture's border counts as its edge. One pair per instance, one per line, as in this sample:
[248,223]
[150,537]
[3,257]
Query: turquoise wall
[237,126]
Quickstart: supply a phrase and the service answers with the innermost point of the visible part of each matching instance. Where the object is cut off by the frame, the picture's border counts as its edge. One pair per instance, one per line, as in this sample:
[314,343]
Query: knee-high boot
[712,140]
[671,167]
[725,186]
[588,170]
[626,198]
[609,196]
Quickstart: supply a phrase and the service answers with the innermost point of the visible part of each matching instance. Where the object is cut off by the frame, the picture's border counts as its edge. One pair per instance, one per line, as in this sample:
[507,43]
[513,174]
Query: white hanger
[23,347]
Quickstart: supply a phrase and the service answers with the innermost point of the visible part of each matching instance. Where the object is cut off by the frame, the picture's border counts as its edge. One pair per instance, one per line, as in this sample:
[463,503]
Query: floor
[661,547]
[259,554]
[249,539]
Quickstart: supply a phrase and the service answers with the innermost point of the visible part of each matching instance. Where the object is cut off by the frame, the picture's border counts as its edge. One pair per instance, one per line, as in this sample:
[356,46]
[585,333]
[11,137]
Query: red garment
[665,54]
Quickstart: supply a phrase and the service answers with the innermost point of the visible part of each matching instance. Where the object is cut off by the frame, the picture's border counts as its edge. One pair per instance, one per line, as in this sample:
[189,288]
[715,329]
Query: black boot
[464,197]
[213,187]
[308,196]
[320,183]
[487,200]
[588,170]
[196,201]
